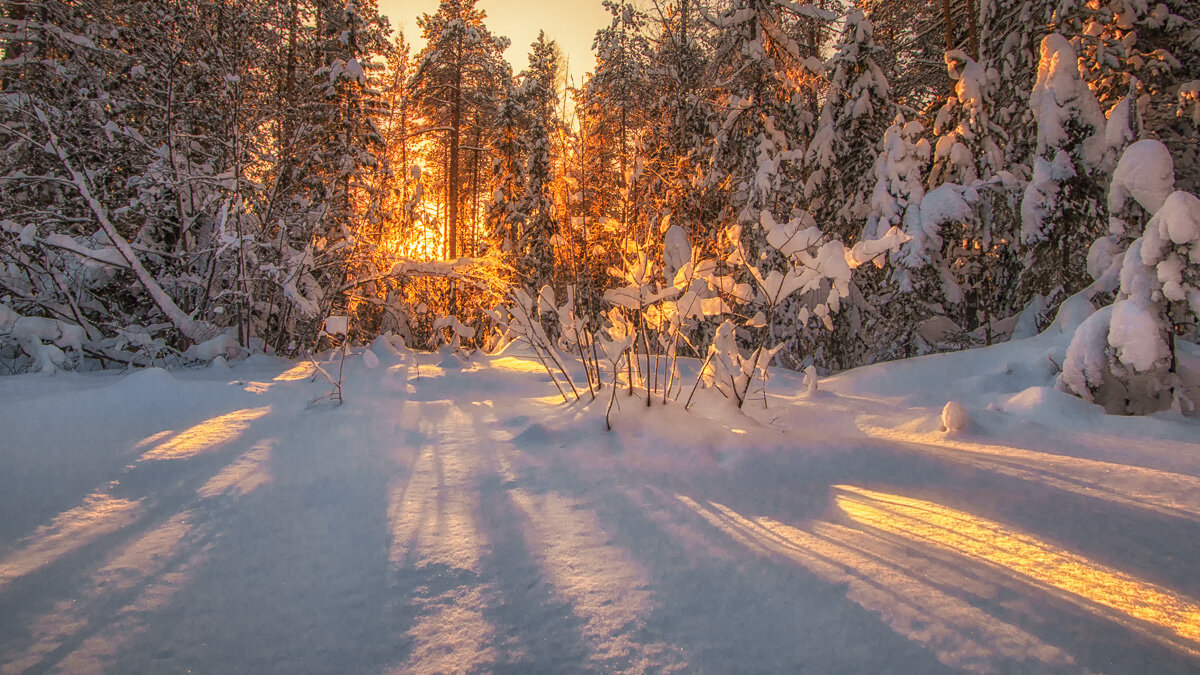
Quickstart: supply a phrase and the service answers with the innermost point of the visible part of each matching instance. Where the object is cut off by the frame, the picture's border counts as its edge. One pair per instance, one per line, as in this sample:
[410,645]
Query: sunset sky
[573,23]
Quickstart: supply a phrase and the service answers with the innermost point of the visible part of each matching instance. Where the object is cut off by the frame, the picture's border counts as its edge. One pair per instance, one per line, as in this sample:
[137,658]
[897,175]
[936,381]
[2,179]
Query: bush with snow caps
[1123,357]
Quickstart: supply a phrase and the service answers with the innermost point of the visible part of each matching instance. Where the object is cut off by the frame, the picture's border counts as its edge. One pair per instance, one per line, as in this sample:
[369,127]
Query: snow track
[456,518]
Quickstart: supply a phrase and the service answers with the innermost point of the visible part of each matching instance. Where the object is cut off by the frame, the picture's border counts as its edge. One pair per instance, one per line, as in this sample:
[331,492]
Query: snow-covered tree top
[1146,173]
[1061,95]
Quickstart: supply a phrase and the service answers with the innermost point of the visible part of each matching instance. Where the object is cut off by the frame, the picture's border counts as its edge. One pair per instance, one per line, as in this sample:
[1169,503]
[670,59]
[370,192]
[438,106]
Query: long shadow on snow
[91,612]
[1106,532]
[725,610]
[298,581]
[162,488]
[795,488]
[535,631]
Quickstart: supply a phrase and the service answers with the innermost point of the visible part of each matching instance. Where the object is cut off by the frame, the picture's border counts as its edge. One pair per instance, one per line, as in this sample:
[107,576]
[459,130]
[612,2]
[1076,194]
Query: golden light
[245,475]
[206,435]
[298,372]
[1145,607]
[516,365]
[98,515]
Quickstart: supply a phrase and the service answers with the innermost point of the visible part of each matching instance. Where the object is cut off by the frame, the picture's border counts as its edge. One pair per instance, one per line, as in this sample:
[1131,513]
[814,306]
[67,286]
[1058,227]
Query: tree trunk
[947,16]
[973,30]
[472,249]
[452,186]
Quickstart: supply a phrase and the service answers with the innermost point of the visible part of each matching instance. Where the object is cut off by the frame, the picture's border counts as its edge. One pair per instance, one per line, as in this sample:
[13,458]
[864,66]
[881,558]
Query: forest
[744,182]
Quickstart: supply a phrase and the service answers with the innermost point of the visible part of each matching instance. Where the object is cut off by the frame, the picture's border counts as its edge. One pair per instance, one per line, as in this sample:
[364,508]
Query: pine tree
[456,72]
[857,108]
[767,121]
[1062,212]
[614,116]
[537,95]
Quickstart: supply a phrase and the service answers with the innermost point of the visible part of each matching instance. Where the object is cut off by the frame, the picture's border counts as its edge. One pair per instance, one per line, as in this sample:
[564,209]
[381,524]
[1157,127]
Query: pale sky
[572,23]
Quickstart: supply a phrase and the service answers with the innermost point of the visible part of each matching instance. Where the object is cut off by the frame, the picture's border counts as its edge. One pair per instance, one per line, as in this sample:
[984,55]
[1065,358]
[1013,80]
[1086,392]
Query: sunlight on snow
[433,514]
[153,438]
[884,581]
[1161,491]
[516,365]
[99,514]
[1150,609]
[257,387]
[153,567]
[605,586]
[451,634]
[144,574]
[206,435]
[433,528]
[244,476]
[300,371]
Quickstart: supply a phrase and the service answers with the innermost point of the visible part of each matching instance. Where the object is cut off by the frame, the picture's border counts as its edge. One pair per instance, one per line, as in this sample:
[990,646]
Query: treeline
[227,174]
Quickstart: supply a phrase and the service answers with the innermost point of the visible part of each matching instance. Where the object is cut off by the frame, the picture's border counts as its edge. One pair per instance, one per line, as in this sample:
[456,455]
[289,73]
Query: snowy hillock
[975,376]
[1012,389]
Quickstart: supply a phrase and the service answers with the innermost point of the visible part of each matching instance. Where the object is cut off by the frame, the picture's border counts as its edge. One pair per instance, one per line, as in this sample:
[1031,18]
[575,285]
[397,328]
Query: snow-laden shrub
[1123,357]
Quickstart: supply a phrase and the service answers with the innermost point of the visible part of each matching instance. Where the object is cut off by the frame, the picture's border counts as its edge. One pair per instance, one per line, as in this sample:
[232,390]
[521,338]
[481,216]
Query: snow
[454,517]
[1171,247]
[1060,101]
[1135,335]
[955,416]
[1060,94]
[941,205]
[42,339]
[222,346]
[1085,363]
[336,325]
[1146,173]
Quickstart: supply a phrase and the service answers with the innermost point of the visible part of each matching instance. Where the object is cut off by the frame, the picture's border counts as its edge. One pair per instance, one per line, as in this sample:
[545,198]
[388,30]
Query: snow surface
[454,517]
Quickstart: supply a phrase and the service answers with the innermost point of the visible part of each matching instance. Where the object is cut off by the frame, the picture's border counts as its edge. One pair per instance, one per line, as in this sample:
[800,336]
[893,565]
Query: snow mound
[149,378]
[370,360]
[955,417]
[1048,405]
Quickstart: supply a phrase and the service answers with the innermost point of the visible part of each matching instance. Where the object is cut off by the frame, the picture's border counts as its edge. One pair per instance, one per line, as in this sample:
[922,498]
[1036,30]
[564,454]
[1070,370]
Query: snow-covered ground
[458,516]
